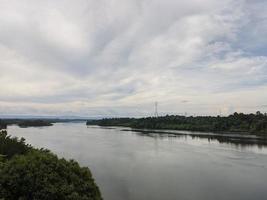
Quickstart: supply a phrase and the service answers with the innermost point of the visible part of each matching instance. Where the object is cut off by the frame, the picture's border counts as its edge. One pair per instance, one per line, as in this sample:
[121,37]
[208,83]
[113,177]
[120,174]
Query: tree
[31,174]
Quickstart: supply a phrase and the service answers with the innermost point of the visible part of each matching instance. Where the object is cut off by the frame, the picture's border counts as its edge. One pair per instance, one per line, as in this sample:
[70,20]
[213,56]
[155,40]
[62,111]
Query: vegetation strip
[255,124]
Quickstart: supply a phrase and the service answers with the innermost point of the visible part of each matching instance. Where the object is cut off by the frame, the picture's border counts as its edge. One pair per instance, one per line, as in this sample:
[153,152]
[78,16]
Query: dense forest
[237,122]
[28,173]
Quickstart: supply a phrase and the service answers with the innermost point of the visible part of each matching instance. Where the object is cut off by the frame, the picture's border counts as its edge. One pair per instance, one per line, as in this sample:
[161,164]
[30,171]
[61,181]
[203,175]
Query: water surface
[128,165]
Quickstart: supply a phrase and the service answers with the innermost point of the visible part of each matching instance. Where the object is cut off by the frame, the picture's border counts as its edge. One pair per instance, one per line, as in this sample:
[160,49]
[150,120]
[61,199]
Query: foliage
[28,173]
[12,146]
[237,122]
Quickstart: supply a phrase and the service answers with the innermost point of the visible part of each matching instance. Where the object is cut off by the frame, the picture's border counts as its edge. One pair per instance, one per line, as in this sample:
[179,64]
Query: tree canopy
[237,122]
[37,174]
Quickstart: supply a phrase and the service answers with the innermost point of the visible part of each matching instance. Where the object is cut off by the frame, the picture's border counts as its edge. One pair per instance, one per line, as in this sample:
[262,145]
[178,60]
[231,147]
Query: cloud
[115,58]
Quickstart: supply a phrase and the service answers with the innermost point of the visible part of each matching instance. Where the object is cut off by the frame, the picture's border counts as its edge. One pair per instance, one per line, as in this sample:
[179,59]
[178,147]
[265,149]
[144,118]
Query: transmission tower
[156,114]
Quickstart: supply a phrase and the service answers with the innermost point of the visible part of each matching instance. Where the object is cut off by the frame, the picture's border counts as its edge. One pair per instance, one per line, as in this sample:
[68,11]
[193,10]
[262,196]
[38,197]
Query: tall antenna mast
[156,109]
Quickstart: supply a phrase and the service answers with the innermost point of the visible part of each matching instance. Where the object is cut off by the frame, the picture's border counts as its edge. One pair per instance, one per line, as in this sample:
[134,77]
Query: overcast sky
[117,57]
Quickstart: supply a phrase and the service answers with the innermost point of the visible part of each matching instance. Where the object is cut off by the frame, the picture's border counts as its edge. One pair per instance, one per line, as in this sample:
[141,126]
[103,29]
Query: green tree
[31,174]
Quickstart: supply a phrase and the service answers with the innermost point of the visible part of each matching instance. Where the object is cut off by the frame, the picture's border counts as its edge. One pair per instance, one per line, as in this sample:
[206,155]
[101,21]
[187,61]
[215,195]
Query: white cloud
[118,57]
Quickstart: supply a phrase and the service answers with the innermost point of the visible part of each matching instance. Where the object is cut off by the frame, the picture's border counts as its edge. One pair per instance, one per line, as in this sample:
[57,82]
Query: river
[128,165]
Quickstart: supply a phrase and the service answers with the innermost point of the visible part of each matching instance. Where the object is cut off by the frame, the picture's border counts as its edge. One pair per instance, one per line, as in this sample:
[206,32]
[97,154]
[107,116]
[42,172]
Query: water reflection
[232,139]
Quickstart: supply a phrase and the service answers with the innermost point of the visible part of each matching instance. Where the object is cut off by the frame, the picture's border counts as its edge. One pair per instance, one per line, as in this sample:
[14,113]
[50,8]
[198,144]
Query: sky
[116,58]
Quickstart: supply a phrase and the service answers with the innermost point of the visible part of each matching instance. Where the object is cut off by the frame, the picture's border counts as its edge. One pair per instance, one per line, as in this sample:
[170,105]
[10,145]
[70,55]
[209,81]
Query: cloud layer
[117,57]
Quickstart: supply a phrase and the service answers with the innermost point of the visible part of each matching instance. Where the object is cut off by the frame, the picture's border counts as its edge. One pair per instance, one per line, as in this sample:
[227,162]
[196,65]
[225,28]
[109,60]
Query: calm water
[132,166]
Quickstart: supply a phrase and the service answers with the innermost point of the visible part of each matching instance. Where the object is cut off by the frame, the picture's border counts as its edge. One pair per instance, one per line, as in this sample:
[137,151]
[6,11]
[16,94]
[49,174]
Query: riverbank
[238,123]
